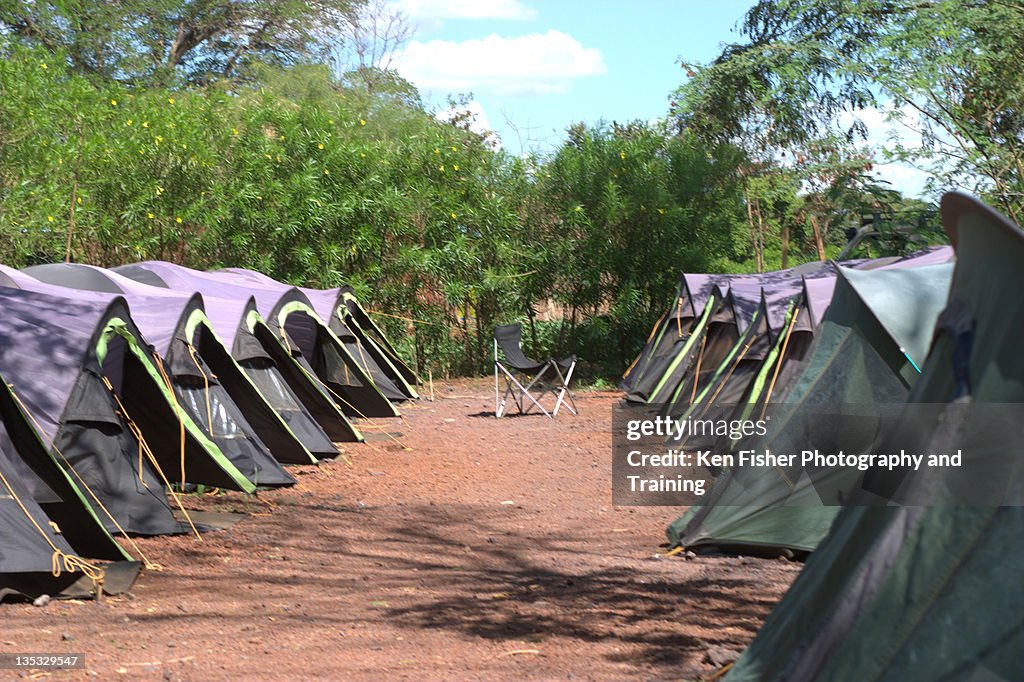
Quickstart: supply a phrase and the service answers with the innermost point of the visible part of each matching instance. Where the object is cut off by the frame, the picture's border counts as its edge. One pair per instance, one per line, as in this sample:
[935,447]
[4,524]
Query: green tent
[870,341]
[926,592]
[673,338]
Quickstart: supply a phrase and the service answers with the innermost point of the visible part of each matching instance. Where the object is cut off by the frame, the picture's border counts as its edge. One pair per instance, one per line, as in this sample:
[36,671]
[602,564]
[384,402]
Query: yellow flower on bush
[320,146]
[113,102]
[362,122]
[454,216]
[128,122]
[234,131]
[44,65]
[170,100]
[441,168]
[150,216]
[178,220]
[49,218]
[455,166]
[145,124]
[622,155]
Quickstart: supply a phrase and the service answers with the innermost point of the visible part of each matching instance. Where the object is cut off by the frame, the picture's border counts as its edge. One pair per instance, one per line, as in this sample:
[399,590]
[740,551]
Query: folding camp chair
[550,376]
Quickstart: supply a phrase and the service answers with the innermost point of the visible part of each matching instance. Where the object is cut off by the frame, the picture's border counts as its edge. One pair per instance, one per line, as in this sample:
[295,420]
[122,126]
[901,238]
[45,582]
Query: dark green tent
[926,592]
[673,338]
[874,334]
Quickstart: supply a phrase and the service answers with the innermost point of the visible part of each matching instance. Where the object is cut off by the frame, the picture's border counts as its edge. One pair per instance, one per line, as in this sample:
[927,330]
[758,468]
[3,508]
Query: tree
[947,69]
[370,38]
[197,40]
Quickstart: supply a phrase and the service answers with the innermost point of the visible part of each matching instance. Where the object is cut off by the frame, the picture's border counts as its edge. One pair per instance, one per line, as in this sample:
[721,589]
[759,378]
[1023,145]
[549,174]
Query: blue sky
[545,64]
[534,67]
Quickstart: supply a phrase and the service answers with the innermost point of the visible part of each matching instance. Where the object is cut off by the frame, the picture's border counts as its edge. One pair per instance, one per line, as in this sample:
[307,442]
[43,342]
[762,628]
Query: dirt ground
[483,549]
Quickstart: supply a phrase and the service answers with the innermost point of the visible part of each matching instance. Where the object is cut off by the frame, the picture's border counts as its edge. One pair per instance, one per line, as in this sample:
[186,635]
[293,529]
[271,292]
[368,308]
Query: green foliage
[947,69]
[628,208]
[321,180]
[163,40]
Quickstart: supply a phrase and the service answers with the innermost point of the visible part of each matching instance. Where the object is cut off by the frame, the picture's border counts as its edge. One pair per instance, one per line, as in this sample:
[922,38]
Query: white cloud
[538,63]
[466,9]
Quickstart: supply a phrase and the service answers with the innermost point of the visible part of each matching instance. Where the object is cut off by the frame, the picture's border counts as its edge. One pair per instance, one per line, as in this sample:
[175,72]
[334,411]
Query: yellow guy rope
[679,317]
[334,393]
[149,564]
[778,365]
[728,374]
[696,374]
[61,561]
[206,387]
[178,412]
[137,432]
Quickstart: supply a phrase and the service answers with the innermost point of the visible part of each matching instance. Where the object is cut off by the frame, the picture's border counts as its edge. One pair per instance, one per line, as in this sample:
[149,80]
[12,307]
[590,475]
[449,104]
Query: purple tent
[333,306]
[291,317]
[178,330]
[74,364]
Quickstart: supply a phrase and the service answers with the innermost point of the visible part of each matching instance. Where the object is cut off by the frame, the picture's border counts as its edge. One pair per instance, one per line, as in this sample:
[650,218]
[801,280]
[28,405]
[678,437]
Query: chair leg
[518,396]
[565,389]
[534,382]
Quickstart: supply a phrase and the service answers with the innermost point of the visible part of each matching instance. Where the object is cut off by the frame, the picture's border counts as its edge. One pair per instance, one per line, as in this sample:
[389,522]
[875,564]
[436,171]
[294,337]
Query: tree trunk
[760,239]
[785,245]
[753,227]
[819,241]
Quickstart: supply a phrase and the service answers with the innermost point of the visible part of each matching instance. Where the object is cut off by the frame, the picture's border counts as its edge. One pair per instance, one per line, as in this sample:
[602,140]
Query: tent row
[890,591]
[124,388]
[867,351]
[926,592]
[794,345]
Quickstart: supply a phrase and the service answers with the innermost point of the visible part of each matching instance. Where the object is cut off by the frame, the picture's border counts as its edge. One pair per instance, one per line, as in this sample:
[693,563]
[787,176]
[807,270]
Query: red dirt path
[488,549]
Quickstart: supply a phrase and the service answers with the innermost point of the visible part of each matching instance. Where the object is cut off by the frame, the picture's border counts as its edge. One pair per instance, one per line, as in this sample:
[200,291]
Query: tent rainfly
[362,337]
[280,375]
[96,394]
[214,388]
[925,592]
[307,410]
[168,326]
[292,318]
